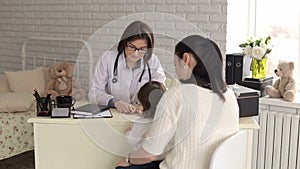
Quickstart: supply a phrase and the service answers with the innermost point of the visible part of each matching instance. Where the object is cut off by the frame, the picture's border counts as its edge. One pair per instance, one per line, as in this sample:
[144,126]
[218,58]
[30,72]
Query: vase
[259,68]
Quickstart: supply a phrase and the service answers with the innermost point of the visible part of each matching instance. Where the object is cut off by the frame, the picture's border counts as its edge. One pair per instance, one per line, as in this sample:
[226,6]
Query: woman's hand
[122,163]
[123,107]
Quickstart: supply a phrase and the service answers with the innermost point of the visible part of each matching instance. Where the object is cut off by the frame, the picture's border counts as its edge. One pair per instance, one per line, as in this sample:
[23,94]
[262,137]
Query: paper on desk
[102,114]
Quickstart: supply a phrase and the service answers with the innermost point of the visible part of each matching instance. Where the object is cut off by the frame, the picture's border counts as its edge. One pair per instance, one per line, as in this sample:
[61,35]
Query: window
[262,18]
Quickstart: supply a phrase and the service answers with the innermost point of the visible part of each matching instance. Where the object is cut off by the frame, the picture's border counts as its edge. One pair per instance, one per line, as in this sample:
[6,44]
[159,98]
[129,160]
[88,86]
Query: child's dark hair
[149,95]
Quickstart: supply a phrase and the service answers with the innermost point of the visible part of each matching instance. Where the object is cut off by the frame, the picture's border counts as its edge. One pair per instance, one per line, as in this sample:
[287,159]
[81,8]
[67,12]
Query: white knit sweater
[180,120]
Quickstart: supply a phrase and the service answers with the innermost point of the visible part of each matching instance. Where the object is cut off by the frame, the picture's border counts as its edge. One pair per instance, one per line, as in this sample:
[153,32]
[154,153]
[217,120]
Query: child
[148,96]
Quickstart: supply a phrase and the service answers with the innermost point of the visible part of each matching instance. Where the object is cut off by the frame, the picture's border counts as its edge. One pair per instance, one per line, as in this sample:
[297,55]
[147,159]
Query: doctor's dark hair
[209,68]
[149,95]
[134,31]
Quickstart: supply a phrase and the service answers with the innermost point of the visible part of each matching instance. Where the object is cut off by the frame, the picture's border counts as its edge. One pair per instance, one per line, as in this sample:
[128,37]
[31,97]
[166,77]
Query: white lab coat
[128,85]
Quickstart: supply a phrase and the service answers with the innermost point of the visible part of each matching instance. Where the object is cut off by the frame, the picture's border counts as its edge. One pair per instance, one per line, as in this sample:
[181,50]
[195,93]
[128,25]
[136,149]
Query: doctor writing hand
[123,107]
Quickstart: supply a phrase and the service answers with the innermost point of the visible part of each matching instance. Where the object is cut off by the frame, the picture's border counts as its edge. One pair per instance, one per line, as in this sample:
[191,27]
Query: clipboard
[92,111]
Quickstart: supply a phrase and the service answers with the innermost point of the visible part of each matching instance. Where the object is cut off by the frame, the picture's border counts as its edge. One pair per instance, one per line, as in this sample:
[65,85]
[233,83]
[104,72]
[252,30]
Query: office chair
[231,153]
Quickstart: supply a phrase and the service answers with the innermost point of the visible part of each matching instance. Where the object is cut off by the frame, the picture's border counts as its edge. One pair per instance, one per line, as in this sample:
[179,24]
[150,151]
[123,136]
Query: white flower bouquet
[258,48]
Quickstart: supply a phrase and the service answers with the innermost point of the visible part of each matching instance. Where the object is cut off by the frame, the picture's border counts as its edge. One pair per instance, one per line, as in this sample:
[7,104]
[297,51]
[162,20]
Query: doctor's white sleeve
[97,93]
[157,72]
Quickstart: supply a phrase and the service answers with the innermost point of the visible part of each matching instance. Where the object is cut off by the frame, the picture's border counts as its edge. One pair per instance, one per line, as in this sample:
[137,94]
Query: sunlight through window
[271,17]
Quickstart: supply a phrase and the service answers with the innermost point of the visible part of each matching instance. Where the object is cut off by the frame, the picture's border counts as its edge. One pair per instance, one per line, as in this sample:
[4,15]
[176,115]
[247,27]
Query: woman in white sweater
[193,118]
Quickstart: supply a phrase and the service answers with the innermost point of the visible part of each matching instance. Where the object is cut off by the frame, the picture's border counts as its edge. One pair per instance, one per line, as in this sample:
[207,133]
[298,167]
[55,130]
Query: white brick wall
[20,19]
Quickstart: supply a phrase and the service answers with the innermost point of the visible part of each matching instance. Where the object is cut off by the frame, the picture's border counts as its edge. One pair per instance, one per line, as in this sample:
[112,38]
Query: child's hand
[122,163]
[138,109]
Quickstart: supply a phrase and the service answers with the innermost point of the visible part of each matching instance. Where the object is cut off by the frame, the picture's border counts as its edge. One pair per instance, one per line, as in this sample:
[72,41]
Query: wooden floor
[21,161]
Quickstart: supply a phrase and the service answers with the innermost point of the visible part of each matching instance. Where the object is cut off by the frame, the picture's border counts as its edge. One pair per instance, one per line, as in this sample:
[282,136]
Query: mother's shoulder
[184,88]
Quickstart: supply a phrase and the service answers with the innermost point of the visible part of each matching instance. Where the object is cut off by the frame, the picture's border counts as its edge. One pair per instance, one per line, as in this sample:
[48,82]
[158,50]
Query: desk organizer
[43,106]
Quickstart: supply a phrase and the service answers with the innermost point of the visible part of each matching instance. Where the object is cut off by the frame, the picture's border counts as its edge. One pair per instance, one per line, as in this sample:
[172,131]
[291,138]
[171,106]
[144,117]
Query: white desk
[66,143]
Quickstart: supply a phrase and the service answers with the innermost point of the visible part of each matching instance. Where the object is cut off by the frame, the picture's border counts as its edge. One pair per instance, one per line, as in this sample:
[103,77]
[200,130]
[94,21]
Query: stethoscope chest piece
[114,80]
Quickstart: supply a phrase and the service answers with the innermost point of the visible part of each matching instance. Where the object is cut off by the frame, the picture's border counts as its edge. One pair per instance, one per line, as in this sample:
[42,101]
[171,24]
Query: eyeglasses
[133,48]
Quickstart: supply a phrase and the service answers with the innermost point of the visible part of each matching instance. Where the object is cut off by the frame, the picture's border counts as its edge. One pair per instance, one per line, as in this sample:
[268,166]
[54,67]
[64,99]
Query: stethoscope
[115,71]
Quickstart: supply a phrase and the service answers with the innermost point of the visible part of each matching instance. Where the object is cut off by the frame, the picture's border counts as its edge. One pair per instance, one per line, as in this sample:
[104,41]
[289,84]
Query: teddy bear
[77,92]
[284,87]
[62,81]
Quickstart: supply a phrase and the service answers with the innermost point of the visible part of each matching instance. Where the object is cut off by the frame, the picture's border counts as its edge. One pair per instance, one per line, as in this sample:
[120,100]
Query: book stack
[92,111]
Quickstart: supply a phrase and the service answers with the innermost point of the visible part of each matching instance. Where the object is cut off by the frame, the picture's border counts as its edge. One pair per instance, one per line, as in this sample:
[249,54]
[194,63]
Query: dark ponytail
[208,71]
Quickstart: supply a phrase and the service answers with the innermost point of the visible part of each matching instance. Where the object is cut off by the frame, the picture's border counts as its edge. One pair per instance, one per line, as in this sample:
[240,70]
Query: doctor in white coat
[120,74]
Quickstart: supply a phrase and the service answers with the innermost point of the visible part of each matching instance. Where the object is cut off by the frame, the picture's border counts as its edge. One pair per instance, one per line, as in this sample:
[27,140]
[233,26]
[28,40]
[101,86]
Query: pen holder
[43,106]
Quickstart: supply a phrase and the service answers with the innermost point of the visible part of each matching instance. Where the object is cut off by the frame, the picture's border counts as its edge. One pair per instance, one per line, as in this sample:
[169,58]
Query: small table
[67,143]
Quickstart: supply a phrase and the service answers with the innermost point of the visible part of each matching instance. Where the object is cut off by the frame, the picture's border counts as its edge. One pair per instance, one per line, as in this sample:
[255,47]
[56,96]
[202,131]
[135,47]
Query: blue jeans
[152,165]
